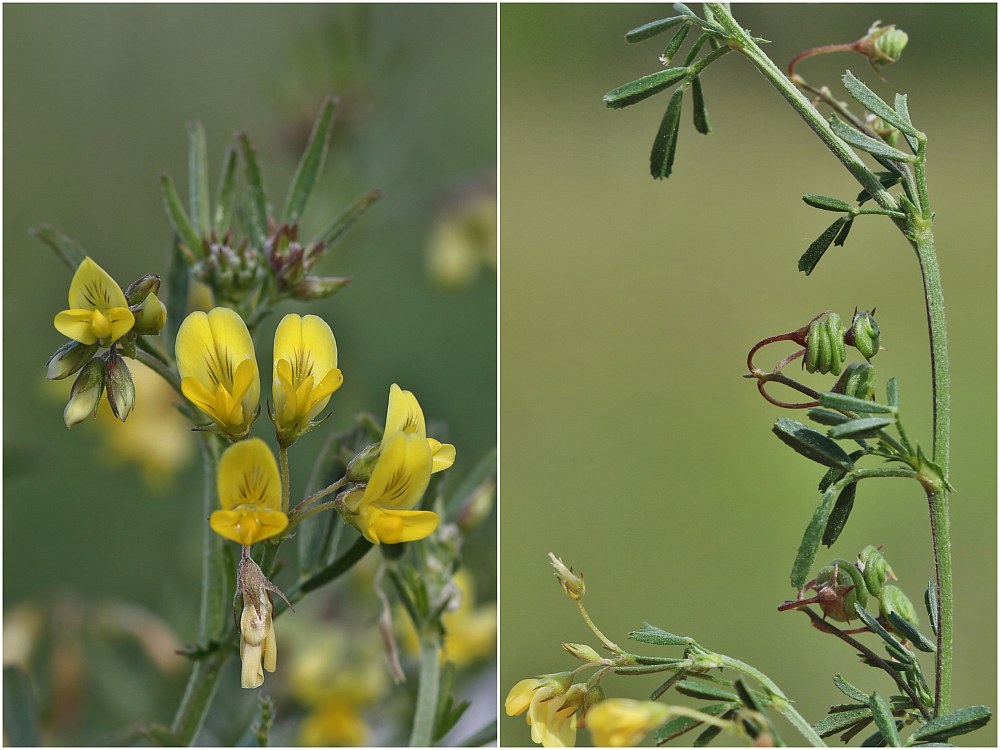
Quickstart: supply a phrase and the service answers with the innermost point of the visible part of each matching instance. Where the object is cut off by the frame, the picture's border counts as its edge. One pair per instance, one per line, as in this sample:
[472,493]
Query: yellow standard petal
[98,311]
[218,368]
[401,474]
[305,373]
[443,455]
[404,415]
[250,494]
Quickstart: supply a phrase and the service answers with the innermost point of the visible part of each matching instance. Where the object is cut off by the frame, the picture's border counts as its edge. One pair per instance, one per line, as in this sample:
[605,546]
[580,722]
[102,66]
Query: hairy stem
[428,692]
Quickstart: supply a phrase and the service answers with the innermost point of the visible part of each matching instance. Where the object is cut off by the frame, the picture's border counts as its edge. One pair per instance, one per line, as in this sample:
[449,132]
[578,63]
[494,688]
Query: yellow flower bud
[86,393]
[571,582]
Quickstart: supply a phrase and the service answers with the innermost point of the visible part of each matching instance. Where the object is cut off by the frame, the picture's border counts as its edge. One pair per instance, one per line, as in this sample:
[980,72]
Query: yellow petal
[401,473]
[121,322]
[248,475]
[210,347]
[308,344]
[443,455]
[76,324]
[270,661]
[394,526]
[322,391]
[519,697]
[248,524]
[93,289]
[404,414]
[200,396]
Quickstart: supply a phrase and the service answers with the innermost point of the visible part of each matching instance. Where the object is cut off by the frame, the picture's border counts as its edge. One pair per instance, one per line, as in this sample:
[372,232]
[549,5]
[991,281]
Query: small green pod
[857,380]
[837,604]
[825,349]
[864,334]
[892,599]
[875,569]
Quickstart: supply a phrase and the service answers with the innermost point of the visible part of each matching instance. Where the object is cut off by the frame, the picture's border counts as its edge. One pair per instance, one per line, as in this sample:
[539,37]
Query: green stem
[286,480]
[937,501]
[428,692]
[779,700]
[319,495]
[590,624]
[198,697]
[160,368]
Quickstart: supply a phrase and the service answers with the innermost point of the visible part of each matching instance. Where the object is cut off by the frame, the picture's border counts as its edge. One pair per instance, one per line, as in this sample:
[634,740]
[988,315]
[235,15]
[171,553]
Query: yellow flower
[551,705]
[218,368]
[258,645]
[620,722]
[250,494]
[405,416]
[305,373]
[98,311]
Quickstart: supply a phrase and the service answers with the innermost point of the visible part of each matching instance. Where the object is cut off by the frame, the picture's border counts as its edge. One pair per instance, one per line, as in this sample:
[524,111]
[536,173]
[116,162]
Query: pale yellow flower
[621,722]
[98,312]
[258,644]
[250,494]
[551,705]
[218,369]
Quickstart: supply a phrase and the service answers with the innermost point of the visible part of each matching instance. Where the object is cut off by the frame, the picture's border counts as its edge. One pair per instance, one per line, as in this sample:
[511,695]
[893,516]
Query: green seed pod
[825,349]
[864,334]
[892,599]
[857,380]
[875,569]
[835,599]
[892,42]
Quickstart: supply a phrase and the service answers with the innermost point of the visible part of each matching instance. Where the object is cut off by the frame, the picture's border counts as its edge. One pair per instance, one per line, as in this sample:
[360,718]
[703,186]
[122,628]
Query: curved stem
[590,624]
[825,49]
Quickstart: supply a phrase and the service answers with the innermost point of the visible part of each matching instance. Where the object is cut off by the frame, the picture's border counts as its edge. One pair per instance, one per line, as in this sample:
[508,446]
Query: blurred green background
[96,99]
[631,446]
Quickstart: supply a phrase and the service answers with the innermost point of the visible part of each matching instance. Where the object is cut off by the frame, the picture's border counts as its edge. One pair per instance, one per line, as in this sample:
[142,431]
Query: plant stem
[285,478]
[779,701]
[937,502]
[427,694]
[590,624]
[160,368]
[198,697]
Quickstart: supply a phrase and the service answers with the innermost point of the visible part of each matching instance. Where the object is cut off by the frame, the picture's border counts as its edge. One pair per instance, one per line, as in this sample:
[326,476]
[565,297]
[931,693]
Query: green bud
[891,43]
[121,389]
[360,467]
[583,652]
[864,334]
[594,695]
[150,317]
[142,287]
[316,287]
[892,599]
[875,569]
[857,380]
[69,358]
[837,597]
[478,506]
[825,350]
[86,393]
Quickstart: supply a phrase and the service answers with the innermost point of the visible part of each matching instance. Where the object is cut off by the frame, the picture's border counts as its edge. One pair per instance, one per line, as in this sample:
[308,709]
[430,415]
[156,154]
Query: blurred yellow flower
[305,374]
[551,704]
[334,722]
[621,722]
[250,494]
[98,312]
[464,241]
[218,369]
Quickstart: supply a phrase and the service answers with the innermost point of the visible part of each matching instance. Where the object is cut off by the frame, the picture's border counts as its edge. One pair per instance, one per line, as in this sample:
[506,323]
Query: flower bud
[151,316]
[86,393]
[69,358]
[595,694]
[316,287]
[583,652]
[857,380]
[121,389]
[360,467]
[864,334]
[572,584]
[892,599]
[142,287]
[875,569]
[478,506]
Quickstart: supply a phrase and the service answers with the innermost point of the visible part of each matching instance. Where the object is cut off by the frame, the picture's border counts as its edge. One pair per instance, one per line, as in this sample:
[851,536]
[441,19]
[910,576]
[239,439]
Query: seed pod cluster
[825,347]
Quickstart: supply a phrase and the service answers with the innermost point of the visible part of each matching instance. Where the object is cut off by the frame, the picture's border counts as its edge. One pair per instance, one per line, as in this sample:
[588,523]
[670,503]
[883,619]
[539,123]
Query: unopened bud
[69,358]
[572,584]
[151,316]
[121,389]
[478,506]
[595,694]
[142,287]
[316,287]
[360,467]
[875,569]
[86,393]
[583,652]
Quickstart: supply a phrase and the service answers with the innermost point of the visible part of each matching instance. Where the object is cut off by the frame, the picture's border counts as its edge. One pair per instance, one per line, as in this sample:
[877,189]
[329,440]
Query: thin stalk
[319,495]
[937,502]
[198,697]
[160,368]
[286,480]
[428,692]
[590,624]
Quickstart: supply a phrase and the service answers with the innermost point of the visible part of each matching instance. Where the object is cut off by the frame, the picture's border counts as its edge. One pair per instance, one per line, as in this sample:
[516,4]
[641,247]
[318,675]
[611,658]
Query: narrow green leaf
[812,256]
[178,217]
[682,8]
[710,733]
[311,164]
[332,234]
[681,724]
[198,179]
[667,684]
[912,633]
[674,44]
[867,427]
[643,88]
[862,142]
[224,192]
[177,283]
[69,250]
[849,690]
[257,195]
[845,230]
[930,601]
[892,393]
[850,403]
[897,648]
[482,737]
[886,180]
[20,710]
[747,696]
[826,203]
[813,445]
[877,740]
[653,28]
[701,121]
[806,555]
[828,418]
[904,112]
[840,513]
[831,476]
[874,104]
[661,158]
[960,721]
[652,634]
[838,722]
[695,689]
[883,719]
